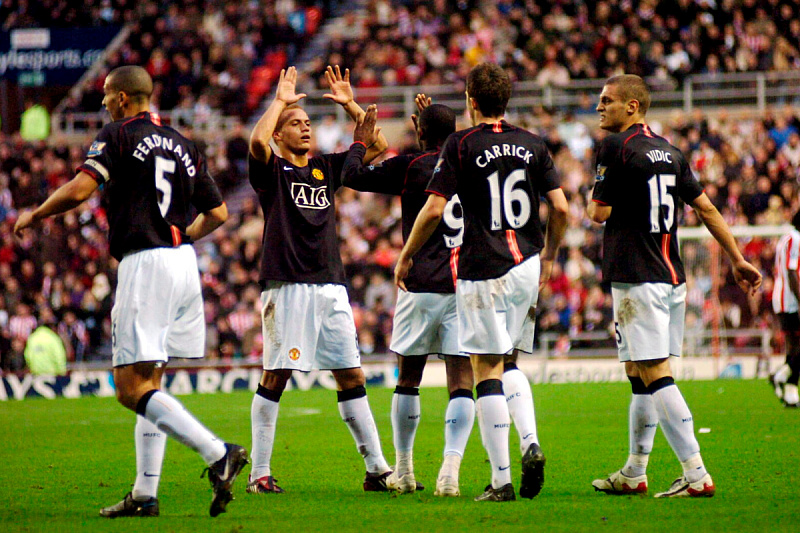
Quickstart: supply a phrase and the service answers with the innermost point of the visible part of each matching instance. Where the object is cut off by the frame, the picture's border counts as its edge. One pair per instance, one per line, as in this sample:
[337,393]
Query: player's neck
[298,160]
[480,119]
[630,123]
[132,110]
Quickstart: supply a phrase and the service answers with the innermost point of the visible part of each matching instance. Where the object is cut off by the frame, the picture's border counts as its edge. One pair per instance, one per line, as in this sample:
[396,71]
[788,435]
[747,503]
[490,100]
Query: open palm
[341,90]
[286,87]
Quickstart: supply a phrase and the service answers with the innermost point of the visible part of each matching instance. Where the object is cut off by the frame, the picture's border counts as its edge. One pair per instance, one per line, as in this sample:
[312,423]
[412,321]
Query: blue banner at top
[56,56]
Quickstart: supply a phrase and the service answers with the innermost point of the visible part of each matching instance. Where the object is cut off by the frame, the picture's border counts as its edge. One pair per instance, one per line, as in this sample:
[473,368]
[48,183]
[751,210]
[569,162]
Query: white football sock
[519,397]
[782,374]
[150,446]
[356,413]
[459,419]
[676,422]
[264,419]
[494,422]
[169,415]
[450,466]
[642,426]
[693,468]
[405,420]
[790,394]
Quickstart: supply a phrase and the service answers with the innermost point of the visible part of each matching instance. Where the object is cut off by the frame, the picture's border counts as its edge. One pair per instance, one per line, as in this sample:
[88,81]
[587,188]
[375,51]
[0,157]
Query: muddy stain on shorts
[627,311]
[268,317]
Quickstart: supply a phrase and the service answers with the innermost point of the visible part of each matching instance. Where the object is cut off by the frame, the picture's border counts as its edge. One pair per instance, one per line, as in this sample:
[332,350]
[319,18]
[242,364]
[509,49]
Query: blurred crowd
[63,274]
[409,42]
[206,55]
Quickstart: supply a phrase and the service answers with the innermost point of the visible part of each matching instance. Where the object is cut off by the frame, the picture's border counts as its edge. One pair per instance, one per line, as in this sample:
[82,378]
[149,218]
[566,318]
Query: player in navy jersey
[499,173]
[307,321]
[154,180]
[425,320]
[641,183]
[785,298]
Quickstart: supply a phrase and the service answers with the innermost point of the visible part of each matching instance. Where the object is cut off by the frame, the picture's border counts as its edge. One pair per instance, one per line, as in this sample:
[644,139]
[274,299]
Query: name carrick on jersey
[407,176]
[499,173]
[300,243]
[787,260]
[154,180]
[644,179]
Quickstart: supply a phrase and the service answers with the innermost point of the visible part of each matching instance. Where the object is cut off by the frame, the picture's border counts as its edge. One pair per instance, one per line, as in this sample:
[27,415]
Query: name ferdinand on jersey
[500,150]
[310,197]
[157,141]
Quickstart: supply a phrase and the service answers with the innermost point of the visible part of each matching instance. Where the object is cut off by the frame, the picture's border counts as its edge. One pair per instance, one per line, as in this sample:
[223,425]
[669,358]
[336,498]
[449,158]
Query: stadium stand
[749,164]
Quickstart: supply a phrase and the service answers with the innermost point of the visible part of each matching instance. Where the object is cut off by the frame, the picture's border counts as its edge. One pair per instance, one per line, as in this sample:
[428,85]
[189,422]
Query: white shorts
[308,327]
[648,318]
[158,307]
[425,323]
[497,315]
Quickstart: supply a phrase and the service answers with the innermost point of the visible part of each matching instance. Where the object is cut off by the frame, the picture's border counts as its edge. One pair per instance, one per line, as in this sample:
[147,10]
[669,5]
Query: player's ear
[633,106]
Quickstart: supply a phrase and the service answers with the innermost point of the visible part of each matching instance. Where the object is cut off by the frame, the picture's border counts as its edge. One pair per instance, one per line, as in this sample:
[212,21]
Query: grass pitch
[64,459]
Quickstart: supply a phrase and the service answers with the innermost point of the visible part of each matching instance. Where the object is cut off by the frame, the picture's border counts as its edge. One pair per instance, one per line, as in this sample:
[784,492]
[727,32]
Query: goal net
[721,320]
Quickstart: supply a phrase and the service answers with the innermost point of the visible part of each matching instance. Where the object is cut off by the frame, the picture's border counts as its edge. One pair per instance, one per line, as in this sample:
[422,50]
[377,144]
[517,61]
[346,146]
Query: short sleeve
[100,158]
[548,175]
[443,181]
[260,173]
[688,186]
[206,195]
[606,170]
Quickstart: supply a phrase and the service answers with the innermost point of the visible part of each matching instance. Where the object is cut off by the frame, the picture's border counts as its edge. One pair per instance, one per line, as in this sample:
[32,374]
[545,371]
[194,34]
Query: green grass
[64,459]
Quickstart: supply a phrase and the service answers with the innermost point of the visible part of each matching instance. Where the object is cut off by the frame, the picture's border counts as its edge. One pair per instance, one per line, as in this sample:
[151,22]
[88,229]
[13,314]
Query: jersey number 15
[659,197]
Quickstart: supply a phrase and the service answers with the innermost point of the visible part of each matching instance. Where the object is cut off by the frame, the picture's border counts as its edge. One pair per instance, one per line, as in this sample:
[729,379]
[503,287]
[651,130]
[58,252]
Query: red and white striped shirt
[787,257]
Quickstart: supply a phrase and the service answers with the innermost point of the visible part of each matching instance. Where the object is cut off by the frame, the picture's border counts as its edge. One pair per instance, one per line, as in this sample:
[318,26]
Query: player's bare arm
[284,96]
[556,227]
[424,226]
[207,222]
[597,212]
[747,276]
[342,94]
[68,196]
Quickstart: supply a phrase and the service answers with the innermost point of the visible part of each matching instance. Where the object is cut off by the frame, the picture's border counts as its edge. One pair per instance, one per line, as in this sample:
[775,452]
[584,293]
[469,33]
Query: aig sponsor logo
[309,197]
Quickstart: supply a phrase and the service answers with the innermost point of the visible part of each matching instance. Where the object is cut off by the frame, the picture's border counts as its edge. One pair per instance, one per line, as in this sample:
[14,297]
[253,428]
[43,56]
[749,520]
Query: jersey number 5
[518,217]
[164,166]
[659,197]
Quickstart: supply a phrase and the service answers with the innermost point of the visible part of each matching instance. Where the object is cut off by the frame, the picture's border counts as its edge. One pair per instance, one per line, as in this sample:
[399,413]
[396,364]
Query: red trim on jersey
[497,128]
[788,273]
[634,134]
[513,247]
[665,252]
[599,202]
[176,236]
[93,173]
[454,264]
[155,119]
[437,194]
[362,143]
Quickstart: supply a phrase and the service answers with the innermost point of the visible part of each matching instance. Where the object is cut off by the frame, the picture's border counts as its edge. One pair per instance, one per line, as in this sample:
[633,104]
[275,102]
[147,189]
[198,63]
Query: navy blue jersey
[407,176]
[156,182]
[645,180]
[499,173]
[300,242]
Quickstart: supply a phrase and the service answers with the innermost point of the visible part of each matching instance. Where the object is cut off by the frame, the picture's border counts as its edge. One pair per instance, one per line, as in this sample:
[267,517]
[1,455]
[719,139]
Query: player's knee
[349,378]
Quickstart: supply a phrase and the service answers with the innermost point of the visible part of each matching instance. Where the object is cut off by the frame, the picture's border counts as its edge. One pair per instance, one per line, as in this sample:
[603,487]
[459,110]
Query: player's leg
[459,419]
[405,420]
[519,397]
[264,419]
[790,324]
[642,426]
[790,392]
[144,335]
[494,422]
[356,413]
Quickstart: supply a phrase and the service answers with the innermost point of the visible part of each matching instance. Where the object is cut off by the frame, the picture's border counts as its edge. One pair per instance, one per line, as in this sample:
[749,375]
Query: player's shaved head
[437,122]
[632,87]
[132,80]
[489,85]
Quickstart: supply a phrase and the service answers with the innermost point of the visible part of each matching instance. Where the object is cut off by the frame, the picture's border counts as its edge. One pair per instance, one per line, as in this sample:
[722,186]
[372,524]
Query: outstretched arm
[747,276]
[265,127]
[68,196]
[342,94]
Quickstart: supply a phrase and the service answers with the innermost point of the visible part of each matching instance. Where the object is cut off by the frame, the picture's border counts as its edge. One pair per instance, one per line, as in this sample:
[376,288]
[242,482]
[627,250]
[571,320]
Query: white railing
[755,90]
